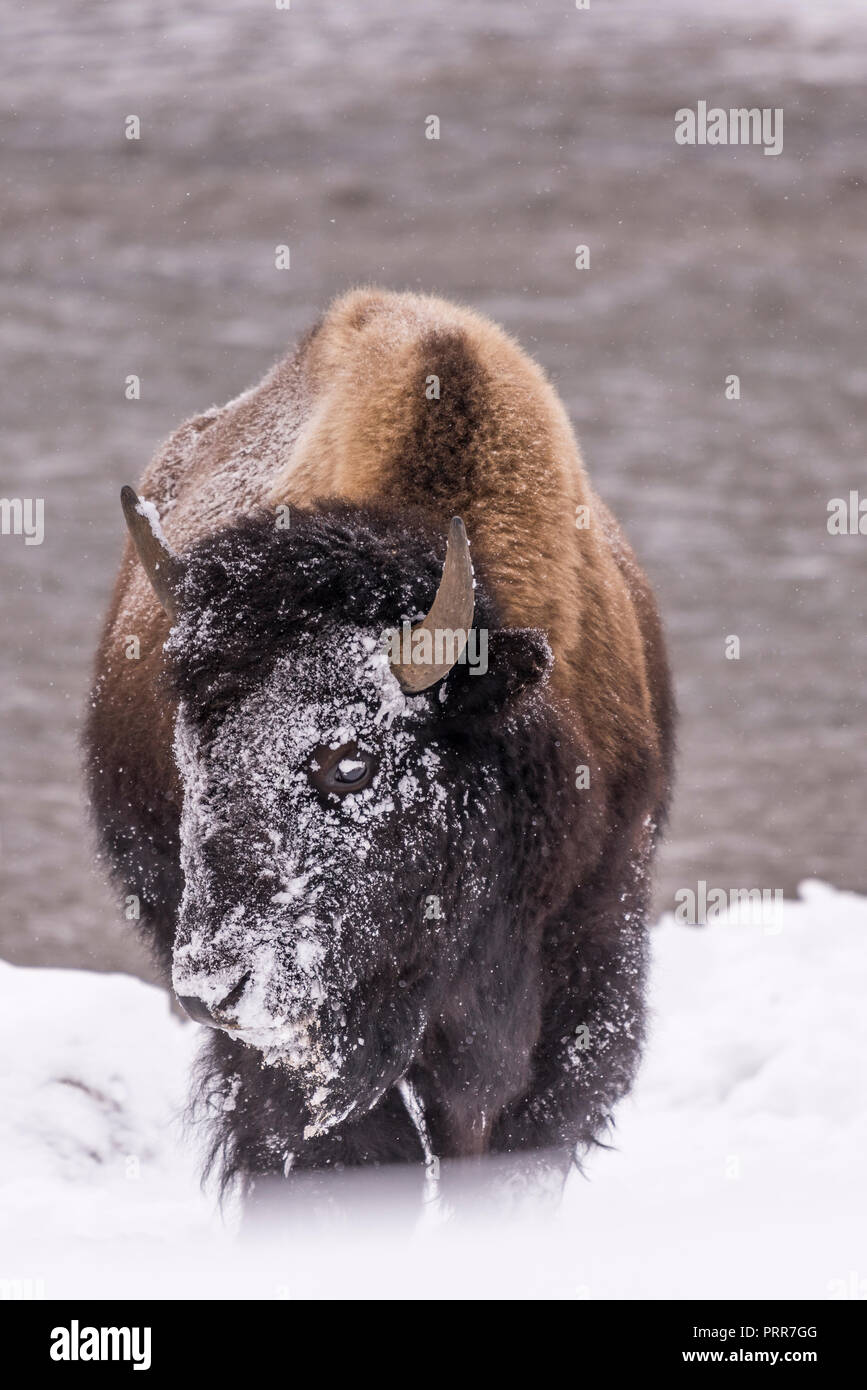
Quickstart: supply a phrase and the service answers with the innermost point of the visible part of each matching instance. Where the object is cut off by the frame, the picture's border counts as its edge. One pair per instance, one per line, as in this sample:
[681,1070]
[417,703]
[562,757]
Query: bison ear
[499,667]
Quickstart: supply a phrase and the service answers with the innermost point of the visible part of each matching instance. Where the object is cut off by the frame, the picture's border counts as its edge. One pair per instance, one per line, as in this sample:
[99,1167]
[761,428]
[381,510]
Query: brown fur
[348,417]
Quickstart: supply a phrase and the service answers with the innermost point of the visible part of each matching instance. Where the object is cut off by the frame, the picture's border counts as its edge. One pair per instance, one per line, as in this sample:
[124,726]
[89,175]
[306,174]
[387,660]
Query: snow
[737,1169]
[152,516]
[415,1110]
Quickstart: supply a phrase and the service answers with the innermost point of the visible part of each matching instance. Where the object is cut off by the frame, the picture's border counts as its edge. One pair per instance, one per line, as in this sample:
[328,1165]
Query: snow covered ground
[738,1169]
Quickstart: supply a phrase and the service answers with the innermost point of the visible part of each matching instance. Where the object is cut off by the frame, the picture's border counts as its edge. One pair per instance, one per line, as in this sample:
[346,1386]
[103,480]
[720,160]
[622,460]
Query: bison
[389,815]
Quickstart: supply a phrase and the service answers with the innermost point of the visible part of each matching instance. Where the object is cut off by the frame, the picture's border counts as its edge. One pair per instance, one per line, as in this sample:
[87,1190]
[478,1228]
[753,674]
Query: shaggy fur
[533,989]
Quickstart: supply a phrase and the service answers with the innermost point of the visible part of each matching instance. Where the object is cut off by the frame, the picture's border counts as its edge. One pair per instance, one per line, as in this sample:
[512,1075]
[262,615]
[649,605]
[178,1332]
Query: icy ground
[738,1171]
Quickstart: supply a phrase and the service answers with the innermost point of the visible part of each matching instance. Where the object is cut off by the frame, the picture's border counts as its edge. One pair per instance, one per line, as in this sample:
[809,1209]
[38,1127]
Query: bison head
[350,820]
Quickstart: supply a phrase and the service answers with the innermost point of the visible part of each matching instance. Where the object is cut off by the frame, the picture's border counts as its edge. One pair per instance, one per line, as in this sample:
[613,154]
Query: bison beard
[472,920]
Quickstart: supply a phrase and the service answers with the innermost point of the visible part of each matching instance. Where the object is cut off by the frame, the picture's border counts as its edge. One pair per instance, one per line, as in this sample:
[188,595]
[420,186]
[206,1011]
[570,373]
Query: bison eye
[350,770]
[339,771]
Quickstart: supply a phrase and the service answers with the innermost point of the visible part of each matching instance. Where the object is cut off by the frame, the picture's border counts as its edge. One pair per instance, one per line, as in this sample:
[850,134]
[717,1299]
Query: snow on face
[285,891]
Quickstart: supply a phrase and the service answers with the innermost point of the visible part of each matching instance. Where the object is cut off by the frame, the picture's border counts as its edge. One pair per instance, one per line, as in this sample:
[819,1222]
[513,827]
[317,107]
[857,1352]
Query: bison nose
[220,1016]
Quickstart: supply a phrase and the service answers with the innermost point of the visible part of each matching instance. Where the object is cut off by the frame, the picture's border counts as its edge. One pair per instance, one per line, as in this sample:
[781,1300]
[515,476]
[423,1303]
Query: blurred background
[306,126]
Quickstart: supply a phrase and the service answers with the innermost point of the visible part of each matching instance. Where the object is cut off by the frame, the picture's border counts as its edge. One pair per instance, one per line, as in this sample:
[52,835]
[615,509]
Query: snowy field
[737,1172]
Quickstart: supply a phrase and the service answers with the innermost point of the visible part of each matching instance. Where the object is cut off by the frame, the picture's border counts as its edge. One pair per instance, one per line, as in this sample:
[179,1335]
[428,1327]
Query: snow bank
[738,1168]
[93,1086]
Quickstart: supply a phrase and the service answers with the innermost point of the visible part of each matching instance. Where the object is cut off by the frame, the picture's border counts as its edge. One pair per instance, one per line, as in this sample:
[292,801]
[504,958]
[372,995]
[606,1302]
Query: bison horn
[449,620]
[160,564]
